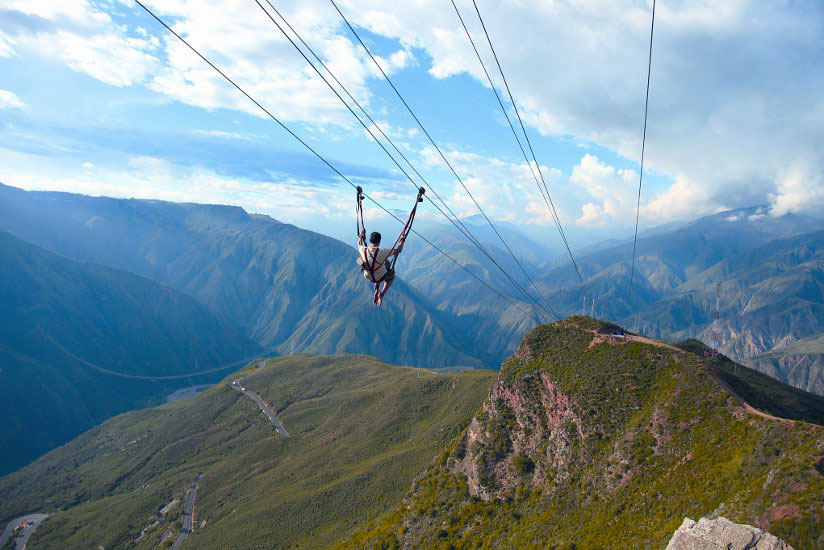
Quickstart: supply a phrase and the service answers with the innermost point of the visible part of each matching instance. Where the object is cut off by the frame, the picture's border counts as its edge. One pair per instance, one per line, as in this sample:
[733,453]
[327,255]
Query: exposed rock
[524,431]
[722,534]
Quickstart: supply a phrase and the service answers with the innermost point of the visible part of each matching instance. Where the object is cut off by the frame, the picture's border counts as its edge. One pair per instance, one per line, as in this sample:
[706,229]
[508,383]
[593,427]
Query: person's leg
[387,282]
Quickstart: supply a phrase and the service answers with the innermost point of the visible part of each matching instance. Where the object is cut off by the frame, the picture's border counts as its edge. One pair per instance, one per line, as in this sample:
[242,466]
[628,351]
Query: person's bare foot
[380,299]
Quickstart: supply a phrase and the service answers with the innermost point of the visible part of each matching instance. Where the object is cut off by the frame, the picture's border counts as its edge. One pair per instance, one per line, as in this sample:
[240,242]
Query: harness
[371,266]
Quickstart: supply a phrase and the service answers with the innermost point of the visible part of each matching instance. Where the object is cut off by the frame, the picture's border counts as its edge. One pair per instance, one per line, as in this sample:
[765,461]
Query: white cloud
[88,165]
[684,199]
[800,190]
[9,99]
[234,34]
[110,58]
[243,42]
[611,187]
[85,38]
[736,87]
[737,93]
[505,190]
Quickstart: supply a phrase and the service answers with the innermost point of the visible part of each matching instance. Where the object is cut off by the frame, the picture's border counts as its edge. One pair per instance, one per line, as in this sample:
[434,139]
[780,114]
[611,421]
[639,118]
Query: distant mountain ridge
[770,269]
[62,321]
[288,289]
[294,290]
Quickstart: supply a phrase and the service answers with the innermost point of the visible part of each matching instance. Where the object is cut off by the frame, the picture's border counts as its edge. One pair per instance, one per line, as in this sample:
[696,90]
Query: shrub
[523,465]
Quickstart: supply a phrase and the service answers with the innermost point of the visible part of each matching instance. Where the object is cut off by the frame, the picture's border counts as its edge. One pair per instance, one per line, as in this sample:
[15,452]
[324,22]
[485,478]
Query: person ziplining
[377,264]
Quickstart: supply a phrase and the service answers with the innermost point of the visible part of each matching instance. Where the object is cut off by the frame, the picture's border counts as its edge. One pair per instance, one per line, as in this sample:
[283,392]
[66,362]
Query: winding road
[23,537]
[267,410]
[188,514]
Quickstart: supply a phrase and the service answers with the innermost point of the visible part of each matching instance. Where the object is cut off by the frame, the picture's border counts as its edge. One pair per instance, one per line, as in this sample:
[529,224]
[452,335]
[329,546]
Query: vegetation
[360,430]
[108,318]
[659,440]
[764,392]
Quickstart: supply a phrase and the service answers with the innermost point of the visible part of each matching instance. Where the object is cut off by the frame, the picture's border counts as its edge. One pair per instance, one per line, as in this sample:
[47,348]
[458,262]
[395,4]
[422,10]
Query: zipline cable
[321,158]
[159,377]
[366,127]
[643,146]
[432,141]
[544,194]
[531,150]
[464,230]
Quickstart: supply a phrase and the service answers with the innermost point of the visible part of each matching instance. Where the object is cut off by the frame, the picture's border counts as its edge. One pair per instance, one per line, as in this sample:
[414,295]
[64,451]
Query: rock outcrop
[722,534]
[523,435]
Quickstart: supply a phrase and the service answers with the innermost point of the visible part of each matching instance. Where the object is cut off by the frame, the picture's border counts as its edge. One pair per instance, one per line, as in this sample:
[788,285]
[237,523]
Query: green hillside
[62,321]
[761,391]
[360,430]
[591,442]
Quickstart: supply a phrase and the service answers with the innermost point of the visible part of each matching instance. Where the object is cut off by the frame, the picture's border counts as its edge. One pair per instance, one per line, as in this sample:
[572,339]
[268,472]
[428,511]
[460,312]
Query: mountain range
[285,288]
[266,285]
[771,272]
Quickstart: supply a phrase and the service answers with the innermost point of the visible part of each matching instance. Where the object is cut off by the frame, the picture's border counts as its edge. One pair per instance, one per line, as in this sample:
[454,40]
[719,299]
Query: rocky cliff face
[524,434]
[800,364]
[587,439]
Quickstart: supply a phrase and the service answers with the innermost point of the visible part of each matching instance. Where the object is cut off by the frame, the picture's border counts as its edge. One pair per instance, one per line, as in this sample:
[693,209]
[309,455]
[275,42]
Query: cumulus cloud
[736,89]
[95,39]
[800,190]
[611,187]
[505,190]
[9,99]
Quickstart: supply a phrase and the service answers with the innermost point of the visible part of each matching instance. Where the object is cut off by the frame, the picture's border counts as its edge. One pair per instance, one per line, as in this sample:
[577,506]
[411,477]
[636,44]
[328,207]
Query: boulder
[722,534]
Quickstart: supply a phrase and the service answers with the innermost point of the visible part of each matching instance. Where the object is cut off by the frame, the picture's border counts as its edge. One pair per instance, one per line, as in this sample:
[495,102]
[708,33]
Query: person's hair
[375,238]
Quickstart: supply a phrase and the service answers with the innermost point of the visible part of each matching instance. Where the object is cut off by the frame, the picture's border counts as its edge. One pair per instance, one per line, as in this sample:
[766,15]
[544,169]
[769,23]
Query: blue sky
[96,98]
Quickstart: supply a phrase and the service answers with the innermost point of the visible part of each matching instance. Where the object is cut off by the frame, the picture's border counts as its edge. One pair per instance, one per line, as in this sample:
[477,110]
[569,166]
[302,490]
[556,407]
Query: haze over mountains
[286,288]
[254,284]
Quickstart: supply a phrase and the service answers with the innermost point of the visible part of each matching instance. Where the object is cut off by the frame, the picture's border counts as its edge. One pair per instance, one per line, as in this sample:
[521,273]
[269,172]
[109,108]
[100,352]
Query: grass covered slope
[761,391]
[598,442]
[360,430]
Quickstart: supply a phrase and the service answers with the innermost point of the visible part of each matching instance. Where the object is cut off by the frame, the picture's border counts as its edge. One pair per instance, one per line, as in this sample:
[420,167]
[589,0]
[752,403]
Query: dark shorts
[388,278]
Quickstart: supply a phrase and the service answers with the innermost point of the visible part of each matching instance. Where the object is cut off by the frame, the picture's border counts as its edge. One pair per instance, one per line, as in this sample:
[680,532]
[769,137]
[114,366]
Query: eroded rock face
[524,435]
[722,534]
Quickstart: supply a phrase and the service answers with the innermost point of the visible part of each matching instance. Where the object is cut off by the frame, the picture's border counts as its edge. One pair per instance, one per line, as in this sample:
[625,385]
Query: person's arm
[398,249]
[362,239]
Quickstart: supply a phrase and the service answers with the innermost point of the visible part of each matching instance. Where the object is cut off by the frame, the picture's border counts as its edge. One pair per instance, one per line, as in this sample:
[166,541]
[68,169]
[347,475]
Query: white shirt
[379,260]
